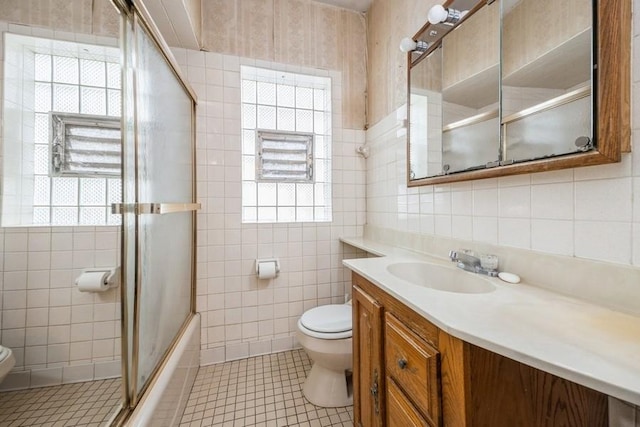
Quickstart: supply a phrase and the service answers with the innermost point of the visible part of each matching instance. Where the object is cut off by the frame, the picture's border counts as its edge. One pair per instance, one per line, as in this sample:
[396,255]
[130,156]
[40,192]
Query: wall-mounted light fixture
[438,14]
[409,45]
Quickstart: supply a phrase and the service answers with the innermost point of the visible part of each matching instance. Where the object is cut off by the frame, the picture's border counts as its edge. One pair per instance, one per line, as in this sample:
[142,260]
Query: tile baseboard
[213,356]
[45,377]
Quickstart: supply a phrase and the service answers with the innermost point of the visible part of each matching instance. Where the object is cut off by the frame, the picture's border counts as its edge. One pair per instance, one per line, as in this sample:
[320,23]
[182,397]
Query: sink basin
[440,278]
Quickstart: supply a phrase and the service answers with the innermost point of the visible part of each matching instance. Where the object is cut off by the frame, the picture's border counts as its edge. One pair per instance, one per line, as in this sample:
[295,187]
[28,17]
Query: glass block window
[82,97]
[286,147]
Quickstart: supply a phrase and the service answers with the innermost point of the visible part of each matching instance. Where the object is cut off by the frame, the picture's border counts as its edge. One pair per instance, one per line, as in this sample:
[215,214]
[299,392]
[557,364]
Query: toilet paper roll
[266,270]
[93,281]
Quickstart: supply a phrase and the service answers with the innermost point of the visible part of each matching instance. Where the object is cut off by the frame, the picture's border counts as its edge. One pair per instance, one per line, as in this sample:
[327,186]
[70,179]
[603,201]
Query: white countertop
[576,340]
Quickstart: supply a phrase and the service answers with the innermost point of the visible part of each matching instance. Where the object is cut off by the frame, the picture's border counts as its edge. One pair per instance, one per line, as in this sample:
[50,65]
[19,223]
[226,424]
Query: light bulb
[408,45]
[437,14]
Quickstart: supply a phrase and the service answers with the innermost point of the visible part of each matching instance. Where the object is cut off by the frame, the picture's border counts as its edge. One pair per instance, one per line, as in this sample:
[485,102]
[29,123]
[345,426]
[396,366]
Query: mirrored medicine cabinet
[518,86]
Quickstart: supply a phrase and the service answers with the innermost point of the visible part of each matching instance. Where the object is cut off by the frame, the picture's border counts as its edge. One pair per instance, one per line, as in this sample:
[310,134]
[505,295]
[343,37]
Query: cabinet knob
[402,363]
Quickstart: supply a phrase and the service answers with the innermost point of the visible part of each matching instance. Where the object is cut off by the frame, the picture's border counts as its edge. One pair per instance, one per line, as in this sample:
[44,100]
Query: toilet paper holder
[112,280]
[267,260]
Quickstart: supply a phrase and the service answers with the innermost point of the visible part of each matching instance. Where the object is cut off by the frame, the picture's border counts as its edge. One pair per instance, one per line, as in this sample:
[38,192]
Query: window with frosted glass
[285,156]
[69,86]
[285,112]
[89,146]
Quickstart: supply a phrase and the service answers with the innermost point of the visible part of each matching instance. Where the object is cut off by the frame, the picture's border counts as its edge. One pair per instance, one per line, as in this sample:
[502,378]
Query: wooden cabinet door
[400,412]
[368,371]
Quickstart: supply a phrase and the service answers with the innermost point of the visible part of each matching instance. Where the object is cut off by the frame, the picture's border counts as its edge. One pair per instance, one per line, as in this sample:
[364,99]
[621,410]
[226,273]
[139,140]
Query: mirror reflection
[511,82]
[546,77]
[425,117]
[470,93]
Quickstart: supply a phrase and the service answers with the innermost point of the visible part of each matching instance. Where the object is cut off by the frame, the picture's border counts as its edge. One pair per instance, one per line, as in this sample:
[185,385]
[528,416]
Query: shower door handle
[122,208]
[154,208]
[167,208]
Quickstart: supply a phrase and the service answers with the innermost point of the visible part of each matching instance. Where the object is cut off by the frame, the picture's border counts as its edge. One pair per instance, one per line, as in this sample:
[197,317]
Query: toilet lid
[330,318]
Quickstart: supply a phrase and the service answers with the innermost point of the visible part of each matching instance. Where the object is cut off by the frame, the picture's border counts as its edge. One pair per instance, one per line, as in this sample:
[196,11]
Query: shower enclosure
[159,208]
[146,332]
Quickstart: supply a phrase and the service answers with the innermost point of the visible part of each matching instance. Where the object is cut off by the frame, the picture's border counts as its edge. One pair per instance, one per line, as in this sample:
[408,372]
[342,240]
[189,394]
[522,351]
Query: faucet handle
[489,262]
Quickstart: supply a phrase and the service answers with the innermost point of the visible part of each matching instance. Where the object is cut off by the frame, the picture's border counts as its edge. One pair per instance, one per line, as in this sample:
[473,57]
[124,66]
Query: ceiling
[357,5]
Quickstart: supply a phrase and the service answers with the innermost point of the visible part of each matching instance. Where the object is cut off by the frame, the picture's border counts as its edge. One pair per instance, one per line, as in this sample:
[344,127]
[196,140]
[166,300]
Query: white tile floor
[260,391]
[80,404]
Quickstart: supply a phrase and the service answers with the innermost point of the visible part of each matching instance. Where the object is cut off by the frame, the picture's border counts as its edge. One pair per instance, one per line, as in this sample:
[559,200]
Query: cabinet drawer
[414,365]
[400,412]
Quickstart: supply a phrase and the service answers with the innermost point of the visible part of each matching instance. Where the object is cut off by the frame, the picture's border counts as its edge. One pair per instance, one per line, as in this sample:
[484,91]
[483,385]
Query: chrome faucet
[472,263]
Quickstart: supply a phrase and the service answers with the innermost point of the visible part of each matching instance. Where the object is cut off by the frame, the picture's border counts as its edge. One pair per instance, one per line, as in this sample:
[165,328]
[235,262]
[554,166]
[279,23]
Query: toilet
[7,361]
[325,334]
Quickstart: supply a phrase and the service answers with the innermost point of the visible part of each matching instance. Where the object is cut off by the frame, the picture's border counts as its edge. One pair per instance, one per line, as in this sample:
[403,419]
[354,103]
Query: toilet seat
[4,353]
[329,322]
[7,361]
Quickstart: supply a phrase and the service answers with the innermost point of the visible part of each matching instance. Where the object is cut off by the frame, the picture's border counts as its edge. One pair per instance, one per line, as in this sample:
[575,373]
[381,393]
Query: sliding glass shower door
[159,201]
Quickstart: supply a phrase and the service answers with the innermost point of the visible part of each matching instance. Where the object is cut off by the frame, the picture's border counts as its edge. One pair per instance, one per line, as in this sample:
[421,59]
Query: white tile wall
[587,212]
[242,316]
[56,332]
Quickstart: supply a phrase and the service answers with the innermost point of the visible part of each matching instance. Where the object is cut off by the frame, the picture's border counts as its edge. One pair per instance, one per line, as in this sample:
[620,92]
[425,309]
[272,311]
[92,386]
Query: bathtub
[164,403]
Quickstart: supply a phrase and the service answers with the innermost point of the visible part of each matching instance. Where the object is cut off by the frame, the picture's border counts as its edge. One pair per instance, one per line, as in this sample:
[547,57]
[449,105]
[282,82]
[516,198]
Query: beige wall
[388,21]
[297,32]
[96,17]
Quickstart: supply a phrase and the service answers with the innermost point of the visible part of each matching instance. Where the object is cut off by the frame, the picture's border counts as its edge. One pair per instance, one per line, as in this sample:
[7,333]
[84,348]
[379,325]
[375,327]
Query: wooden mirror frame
[612,115]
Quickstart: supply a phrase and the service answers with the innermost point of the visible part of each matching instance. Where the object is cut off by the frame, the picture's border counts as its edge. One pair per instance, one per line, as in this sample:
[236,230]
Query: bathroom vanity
[483,353]
[408,372]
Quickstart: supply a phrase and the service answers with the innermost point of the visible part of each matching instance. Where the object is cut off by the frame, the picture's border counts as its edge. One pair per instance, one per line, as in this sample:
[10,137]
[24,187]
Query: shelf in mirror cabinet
[477,91]
[549,69]
[574,95]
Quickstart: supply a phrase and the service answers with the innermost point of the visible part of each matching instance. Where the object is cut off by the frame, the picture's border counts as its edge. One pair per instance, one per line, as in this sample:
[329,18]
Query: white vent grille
[285,156]
[84,145]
